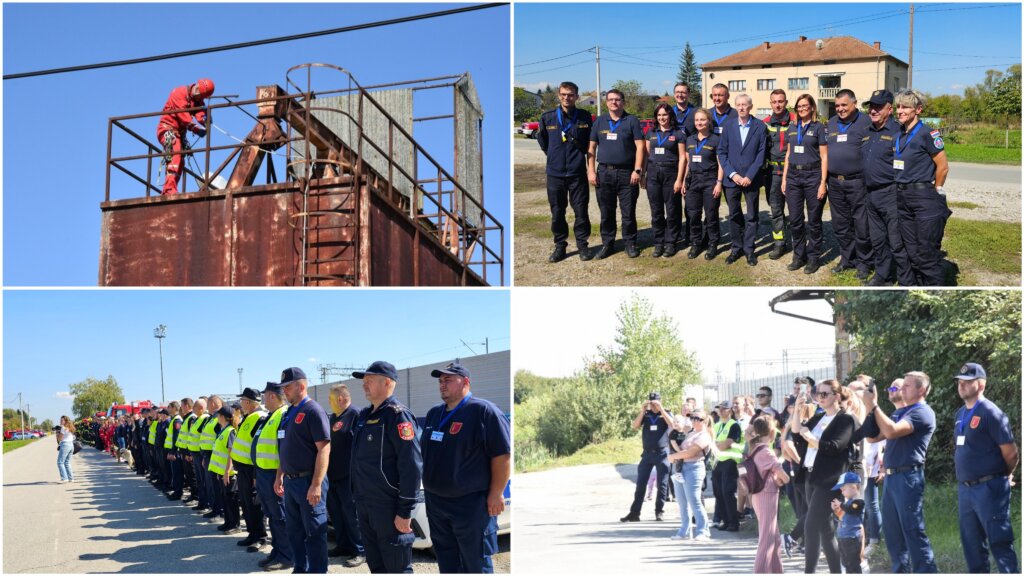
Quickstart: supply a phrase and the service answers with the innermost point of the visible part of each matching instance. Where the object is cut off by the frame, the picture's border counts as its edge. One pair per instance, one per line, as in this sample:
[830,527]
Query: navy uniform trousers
[341,508]
[463,534]
[569,191]
[891,261]
[850,222]
[651,460]
[306,525]
[273,507]
[666,205]
[743,226]
[613,186]
[985,526]
[802,190]
[387,550]
[202,493]
[903,510]
[923,213]
[700,195]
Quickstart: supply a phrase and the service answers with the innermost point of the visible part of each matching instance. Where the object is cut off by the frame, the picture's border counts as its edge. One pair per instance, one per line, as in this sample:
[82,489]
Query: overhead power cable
[555,58]
[253,43]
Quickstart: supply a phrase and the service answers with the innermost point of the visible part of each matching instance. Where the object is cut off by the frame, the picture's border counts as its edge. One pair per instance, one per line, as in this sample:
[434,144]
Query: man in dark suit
[741,155]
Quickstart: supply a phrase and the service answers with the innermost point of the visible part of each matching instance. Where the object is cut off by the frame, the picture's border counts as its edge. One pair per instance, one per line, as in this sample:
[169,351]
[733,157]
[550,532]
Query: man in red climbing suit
[171,130]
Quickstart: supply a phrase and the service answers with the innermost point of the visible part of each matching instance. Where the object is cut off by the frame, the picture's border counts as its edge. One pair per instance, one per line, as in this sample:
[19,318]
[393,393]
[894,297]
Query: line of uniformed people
[278,463]
[888,207]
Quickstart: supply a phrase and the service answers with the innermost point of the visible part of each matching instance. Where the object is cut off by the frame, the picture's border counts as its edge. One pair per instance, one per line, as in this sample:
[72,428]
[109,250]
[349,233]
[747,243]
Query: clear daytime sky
[53,338]
[953,43]
[721,326]
[55,127]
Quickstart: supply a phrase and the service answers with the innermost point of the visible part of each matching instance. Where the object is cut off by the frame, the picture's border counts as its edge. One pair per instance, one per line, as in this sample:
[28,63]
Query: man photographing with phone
[655,423]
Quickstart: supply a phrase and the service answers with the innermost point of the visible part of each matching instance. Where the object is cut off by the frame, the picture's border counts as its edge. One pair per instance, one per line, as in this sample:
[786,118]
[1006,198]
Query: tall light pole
[160,332]
[239,380]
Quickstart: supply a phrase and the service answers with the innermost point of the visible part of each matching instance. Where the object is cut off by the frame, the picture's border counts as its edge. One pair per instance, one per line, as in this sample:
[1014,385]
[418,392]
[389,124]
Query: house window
[766,84]
[762,112]
[895,84]
[737,85]
[798,83]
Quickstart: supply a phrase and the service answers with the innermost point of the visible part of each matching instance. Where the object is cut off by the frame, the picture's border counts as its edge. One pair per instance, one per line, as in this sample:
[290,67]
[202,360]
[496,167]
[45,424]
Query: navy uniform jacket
[684,120]
[386,462]
[778,128]
[984,428]
[143,430]
[708,163]
[844,157]
[916,154]
[622,150]
[718,120]
[459,463]
[812,138]
[566,157]
[161,433]
[743,157]
[877,150]
[669,146]
[342,433]
[174,428]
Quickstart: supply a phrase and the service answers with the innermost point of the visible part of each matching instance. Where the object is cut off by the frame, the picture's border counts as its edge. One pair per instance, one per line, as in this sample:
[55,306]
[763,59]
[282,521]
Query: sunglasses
[824,394]
[696,418]
[893,389]
[762,395]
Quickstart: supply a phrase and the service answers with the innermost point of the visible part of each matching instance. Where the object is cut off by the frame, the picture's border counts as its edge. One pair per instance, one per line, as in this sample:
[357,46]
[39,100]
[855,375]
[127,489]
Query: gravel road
[110,520]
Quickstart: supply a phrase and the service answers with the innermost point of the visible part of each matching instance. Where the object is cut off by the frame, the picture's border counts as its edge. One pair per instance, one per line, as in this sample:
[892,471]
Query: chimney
[767,45]
[878,45]
[803,38]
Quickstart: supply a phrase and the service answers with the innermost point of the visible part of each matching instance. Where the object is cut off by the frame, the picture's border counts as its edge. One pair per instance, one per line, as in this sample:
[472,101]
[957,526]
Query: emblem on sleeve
[338,425]
[456,426]
[300,417]
[938,143]
[405,431]
[975,421]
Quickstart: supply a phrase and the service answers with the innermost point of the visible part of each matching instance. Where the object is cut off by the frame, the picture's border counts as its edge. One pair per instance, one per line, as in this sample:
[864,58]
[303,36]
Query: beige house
[816,67]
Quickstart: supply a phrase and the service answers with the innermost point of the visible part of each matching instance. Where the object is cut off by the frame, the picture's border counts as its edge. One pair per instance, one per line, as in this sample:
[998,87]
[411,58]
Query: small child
[851,522]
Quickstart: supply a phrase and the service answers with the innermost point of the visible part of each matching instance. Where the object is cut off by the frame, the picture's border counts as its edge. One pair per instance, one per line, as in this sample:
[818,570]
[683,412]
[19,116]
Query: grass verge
[623,451]
[993,246]
[982,154]
[15,444]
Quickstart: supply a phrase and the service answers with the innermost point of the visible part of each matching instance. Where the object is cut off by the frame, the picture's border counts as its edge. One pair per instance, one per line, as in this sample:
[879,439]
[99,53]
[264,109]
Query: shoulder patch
[975,421]
[456,426]
[338,425]
[300,417]
[938,143]
[405,431]
[935,133]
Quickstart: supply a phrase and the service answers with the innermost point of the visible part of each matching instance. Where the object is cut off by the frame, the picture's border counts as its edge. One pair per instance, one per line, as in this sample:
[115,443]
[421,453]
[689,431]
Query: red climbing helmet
[205,86]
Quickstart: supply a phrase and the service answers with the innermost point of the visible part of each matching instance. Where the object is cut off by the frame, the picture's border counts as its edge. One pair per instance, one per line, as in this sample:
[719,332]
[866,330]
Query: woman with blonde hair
[697,444]
[760,437]
[65,448]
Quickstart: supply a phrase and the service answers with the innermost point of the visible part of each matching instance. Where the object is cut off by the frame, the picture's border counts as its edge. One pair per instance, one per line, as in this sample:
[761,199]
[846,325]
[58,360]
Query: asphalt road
[110,520]
[568,522]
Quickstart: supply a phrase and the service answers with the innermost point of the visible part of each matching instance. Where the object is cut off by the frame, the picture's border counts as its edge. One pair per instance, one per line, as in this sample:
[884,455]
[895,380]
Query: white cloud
[312,360]
[64,395]
[958,86]
[667,83]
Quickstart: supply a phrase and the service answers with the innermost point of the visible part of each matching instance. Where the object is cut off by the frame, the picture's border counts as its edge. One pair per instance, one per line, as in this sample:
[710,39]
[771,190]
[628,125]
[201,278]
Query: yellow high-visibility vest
[208,436]
[152,433]
[243,438]
[219,457]
[183,435]
[169,439]
[194,431]
[267,456]
[735,452]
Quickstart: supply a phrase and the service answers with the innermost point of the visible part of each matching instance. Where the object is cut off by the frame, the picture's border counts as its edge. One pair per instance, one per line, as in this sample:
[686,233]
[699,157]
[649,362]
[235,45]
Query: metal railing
[828,93]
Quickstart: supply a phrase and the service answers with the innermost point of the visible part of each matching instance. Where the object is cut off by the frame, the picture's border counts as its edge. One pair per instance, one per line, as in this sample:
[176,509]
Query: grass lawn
[624,451]
[982,154]
[15,444]
[993,246]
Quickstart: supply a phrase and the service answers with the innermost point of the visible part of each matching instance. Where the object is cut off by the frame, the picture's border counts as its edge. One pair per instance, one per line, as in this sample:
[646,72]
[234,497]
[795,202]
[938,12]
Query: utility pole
[28,408]
[21,413]
[598,80]
[160,332]
[239,380]
[910,70]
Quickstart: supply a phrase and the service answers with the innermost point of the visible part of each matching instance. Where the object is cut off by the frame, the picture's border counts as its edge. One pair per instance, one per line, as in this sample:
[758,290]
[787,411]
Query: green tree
[92,395]
[937,332]
[635,100]
[689,72]
[1004,99]
[549,98]
[525,105]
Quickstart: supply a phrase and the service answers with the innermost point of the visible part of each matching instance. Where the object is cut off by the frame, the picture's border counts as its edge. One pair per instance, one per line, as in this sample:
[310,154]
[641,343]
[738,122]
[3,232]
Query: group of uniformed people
[279,455]
[883,177]
[985,456]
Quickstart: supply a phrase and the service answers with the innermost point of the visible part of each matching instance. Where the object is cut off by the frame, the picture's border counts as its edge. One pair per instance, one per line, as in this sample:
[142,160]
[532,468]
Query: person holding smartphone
[655,423]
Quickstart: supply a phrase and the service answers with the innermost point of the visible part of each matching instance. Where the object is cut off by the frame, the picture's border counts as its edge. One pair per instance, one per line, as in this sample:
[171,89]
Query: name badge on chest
[897,164]
[841,138]
[718,130]
[612,136]
[280,434]
[798,149]
[659,150]
[696,159]
[654,427]
[437,435]
[961,440]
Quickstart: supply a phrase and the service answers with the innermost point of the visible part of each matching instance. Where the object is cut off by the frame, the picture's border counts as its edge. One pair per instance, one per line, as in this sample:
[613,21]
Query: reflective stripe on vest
[208,436]
[169,439]
[182,442]
[266,444]
[735,452]
[243,439]
[219,457]
[194,431]
[152,433]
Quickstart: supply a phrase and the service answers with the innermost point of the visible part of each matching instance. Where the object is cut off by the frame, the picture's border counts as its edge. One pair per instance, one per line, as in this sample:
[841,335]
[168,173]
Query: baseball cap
[226,411]
[273,387]
[970,371]
[880,97]
[454,368]
[380,368]
[291,375]
[251,394]
[848,478]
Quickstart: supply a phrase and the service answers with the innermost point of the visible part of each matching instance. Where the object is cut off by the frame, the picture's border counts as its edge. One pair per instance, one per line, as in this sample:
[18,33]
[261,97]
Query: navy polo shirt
[566,157]
[684,120]
[813,137]
[877,150]
[307,423]
[910,450]
[459,463]
[657,439]
[621,150]
[844,158]
[984,428]
[342,432]
[668,143]
[917,154]
[718,120]
[708,154]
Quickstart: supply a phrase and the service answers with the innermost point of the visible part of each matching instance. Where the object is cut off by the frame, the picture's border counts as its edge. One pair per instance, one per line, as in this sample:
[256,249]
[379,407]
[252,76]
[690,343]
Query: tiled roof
[839,48]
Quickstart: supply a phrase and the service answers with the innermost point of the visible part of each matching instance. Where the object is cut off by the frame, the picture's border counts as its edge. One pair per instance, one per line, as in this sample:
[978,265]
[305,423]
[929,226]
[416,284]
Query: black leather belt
[843,178]
[981,480]
[801,167]
[915,186]
[618,166]
[902,469]
[299,475]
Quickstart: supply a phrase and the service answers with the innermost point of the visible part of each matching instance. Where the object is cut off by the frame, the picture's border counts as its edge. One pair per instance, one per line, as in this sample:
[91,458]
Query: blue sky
[953,43]
[53,338]
[55,127]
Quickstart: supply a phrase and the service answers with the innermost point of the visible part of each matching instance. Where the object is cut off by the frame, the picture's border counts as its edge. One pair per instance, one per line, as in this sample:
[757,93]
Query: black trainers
[629,518]
[812,267]
[606,251]
[796,264]
[585,254]
[658,250]
[557,255]
[777,252]
[632,251]
[257,546]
